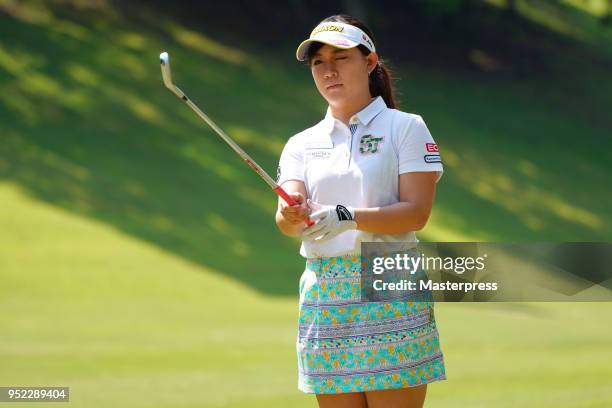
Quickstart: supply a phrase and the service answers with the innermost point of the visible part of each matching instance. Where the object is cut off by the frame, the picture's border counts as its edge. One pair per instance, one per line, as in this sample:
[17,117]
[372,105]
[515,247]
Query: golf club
[164,60]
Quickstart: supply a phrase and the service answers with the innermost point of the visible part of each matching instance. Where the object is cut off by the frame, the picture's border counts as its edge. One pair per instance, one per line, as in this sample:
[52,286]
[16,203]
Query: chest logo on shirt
[369,144]
[318,149]
[317,154]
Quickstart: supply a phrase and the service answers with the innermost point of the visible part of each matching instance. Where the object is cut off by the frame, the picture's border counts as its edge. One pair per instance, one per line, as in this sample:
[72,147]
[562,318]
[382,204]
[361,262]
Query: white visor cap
[339,35]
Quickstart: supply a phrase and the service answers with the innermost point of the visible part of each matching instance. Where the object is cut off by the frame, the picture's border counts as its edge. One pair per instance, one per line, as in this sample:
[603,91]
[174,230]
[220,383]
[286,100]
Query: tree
[607,17]
[356,8]
[511,7]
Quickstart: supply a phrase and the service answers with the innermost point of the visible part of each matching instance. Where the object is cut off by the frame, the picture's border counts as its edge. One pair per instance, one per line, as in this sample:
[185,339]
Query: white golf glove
[330,220]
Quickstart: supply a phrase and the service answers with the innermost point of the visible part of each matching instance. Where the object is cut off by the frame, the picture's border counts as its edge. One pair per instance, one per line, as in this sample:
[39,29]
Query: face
[341,75]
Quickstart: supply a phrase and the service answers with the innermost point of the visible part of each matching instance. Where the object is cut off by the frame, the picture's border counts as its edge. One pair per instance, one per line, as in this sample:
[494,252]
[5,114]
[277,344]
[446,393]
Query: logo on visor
[326,28]
[366,39]
[369,143]
[342,43]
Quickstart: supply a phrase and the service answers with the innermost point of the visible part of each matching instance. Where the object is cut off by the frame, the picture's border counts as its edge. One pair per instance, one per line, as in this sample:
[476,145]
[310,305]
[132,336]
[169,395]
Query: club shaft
[277,189]
[167,77]
[244,155]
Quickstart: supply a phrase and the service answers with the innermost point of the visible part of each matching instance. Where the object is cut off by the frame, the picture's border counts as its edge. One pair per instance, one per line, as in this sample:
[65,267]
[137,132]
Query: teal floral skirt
[345,344]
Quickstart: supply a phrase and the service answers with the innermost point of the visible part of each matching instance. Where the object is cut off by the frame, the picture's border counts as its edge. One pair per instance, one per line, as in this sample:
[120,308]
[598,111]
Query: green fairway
[125,323]
[139,261]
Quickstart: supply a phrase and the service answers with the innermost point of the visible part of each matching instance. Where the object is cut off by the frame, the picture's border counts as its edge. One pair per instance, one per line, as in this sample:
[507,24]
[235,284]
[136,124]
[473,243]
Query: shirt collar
[364,116]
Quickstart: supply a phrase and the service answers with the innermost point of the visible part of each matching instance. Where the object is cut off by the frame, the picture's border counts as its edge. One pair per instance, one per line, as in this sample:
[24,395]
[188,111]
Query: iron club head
[164,60]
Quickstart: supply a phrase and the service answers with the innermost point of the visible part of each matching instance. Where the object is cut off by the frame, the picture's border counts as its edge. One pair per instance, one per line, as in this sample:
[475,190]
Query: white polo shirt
[358,166]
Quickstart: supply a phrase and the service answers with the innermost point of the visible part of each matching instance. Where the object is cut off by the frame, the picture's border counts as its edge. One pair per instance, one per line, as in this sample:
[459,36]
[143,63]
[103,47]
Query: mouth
[334,86]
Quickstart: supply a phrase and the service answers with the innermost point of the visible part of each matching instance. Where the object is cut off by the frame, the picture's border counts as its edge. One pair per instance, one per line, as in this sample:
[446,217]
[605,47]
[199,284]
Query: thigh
[345,400]
[411,397]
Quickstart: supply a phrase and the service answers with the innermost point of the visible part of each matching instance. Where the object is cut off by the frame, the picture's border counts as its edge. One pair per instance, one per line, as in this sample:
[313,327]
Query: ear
[372,61]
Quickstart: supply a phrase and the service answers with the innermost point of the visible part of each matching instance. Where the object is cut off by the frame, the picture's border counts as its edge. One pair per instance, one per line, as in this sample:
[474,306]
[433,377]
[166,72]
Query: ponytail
[381,84]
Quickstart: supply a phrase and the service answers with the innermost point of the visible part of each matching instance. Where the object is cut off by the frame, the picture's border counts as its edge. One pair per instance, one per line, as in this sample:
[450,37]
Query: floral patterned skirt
[345,344]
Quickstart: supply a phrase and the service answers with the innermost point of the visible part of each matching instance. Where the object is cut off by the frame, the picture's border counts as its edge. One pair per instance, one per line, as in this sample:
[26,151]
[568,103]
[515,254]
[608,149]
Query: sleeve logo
[431,147]
[432,158]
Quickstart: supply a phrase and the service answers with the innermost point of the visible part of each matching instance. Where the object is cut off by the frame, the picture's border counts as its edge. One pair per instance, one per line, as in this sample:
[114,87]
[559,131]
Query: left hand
[330,220]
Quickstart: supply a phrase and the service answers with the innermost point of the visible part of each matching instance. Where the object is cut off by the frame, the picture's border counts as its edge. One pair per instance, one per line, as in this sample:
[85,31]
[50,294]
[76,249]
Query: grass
[129,231]
[125,323]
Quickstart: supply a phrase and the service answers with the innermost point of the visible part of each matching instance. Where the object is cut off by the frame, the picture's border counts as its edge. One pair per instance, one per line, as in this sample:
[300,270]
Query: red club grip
[283,194]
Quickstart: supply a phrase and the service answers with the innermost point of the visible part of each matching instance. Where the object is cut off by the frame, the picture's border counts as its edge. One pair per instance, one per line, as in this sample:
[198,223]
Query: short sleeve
[417,150]
[291,163]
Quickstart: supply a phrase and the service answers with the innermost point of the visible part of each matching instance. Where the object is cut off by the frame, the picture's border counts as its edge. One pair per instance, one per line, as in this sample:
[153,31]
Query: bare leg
[411,397]
[346,400]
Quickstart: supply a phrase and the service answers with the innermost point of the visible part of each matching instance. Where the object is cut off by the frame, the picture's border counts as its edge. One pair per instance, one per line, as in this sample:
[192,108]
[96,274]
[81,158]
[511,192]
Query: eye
[316,62]
[341,58]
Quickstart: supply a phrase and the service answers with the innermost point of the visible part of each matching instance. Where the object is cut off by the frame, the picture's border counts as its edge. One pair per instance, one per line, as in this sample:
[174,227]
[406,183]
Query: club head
[164,60]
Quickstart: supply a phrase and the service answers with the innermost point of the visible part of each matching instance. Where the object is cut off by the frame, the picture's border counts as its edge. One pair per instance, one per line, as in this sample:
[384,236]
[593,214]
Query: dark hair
[381,80]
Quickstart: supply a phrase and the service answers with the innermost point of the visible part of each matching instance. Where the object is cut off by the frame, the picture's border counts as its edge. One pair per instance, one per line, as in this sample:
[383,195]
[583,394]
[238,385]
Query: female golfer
[365,173]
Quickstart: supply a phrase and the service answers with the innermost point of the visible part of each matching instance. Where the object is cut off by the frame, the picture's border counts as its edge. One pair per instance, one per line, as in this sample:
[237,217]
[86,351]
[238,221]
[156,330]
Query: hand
[330,220]
[295,214]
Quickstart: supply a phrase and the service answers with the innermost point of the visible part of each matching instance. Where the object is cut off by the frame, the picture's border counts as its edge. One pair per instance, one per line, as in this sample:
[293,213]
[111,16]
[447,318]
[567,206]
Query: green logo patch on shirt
[369,143]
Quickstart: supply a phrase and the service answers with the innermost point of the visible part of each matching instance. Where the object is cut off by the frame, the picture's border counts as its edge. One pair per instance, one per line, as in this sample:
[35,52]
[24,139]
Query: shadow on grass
[87,125]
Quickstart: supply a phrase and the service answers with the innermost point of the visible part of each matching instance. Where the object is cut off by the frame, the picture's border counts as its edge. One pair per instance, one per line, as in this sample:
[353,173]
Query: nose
[330,71]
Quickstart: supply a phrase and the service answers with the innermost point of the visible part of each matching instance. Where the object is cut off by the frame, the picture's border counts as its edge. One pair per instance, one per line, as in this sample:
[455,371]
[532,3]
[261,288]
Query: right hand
[295,214]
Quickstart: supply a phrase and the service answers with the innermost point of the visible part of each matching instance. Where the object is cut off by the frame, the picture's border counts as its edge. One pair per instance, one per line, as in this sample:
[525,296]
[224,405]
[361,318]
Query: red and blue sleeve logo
[431,147]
